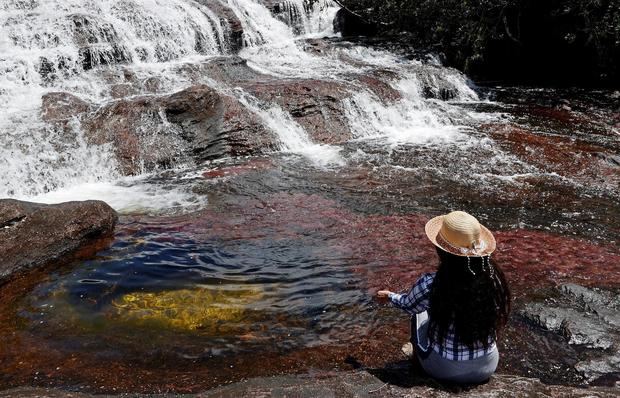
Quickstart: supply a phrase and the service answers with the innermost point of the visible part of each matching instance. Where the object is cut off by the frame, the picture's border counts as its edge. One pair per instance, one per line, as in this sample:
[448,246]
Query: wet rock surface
[61,106]
[379,383]
[242,133]
[150,131]
[34,235]
[379,85]
[315,104]
[230,70]
[588,318]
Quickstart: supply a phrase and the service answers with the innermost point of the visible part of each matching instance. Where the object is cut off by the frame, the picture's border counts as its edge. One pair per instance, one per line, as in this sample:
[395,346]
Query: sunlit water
[280,252]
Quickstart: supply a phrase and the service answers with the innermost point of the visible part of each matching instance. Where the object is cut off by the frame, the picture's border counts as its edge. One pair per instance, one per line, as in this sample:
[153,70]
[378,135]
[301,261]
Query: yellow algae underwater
[203,310]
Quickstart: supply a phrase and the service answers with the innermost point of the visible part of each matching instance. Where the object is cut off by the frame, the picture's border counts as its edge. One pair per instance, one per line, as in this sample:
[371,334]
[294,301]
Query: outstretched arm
[414,301]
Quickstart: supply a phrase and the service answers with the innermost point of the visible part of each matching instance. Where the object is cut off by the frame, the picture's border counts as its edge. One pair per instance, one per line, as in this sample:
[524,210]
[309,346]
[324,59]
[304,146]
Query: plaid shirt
[416,301]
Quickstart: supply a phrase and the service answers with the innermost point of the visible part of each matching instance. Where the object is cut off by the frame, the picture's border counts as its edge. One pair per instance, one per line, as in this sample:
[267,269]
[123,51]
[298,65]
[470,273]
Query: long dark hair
[472,295]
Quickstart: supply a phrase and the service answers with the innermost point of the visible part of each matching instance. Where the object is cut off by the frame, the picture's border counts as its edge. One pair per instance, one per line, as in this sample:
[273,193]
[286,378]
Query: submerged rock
[33,235]
[206,310]
[567,155]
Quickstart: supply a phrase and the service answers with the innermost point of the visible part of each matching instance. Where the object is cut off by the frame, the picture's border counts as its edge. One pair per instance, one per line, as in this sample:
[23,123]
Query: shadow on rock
[409,374]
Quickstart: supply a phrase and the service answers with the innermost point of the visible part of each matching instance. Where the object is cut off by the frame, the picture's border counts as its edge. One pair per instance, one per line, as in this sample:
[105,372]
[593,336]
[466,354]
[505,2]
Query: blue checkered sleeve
[417,299]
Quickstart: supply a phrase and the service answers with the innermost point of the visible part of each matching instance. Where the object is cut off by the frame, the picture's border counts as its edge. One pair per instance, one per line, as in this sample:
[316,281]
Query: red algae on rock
[393,250]
[563,155]
[378,250]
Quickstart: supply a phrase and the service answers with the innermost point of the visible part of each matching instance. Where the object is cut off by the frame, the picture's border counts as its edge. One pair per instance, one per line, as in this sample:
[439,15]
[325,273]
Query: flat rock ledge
[352,384]
[588,318]
[34,235]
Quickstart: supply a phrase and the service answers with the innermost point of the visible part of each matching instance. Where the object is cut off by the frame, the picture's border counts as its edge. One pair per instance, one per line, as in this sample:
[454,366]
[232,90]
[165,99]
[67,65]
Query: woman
[458,310]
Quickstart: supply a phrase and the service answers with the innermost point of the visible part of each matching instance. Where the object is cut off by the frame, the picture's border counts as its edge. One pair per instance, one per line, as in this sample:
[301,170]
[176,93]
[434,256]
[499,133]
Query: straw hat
[461,234]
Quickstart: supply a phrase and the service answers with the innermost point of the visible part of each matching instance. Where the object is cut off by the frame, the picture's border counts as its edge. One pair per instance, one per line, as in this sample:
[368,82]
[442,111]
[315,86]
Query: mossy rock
[205,310]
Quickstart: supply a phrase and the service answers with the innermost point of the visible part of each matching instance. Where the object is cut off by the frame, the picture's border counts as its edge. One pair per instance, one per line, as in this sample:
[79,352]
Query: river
[261,253]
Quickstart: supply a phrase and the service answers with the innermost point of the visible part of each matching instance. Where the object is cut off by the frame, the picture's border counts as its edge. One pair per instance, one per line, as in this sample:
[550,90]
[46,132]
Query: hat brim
[433,226]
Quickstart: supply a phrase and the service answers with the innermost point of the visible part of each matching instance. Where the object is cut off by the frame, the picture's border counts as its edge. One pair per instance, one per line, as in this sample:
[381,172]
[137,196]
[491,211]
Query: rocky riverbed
[264,179]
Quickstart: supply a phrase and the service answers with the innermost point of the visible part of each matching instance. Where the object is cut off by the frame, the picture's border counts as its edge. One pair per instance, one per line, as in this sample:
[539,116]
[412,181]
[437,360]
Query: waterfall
[411,119]
[65,45]
[94,48]
[308,18]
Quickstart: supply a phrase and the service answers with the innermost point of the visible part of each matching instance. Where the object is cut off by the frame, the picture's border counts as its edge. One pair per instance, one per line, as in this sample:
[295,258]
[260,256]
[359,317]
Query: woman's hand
[383,295]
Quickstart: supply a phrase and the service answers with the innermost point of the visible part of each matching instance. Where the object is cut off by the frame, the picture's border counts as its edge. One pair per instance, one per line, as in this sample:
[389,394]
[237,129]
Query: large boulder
[34,235]
[315,104]
[152,131]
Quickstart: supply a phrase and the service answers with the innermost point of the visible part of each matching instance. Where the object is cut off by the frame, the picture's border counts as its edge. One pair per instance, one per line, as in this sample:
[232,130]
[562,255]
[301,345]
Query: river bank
[370,383]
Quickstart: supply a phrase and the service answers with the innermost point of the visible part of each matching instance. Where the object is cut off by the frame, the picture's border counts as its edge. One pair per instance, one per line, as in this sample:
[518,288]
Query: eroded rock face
[315,104]
[33,235]
[152,131]
[585,317]
[243,133]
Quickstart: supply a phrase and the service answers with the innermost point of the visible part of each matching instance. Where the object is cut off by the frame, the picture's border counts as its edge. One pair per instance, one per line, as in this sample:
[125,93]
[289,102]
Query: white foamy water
[293,138]
[127,195]
[91,47]
[65,45]
[411,118]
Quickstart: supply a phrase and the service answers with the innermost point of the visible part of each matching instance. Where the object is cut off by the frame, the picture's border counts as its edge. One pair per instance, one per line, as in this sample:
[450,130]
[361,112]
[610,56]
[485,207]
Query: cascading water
[89,48]
[226,266]
[75,46]
[292,136]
